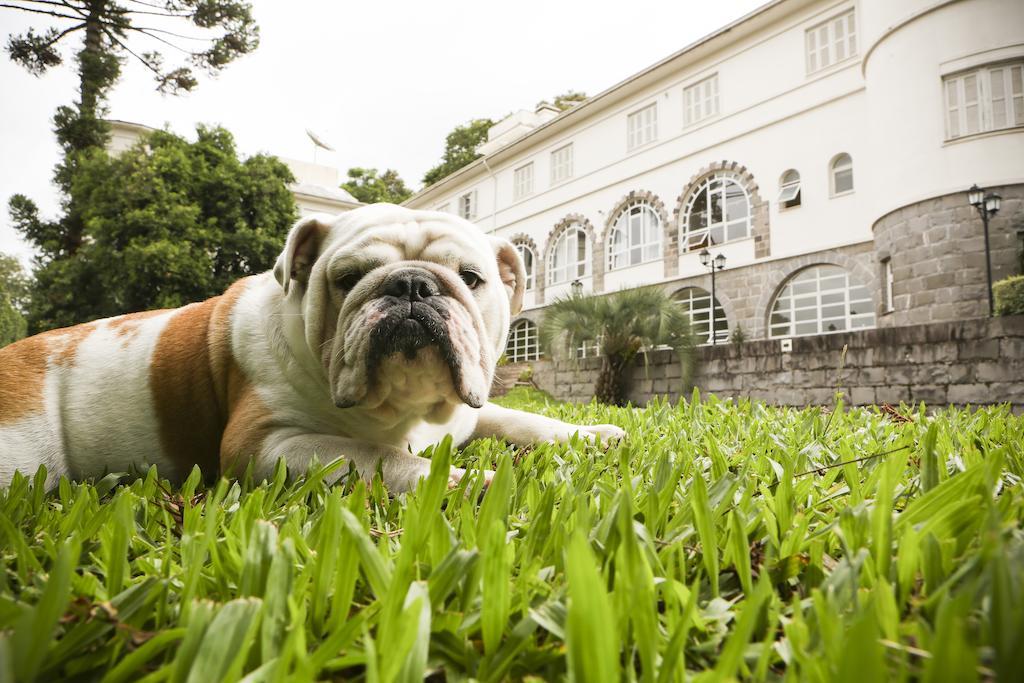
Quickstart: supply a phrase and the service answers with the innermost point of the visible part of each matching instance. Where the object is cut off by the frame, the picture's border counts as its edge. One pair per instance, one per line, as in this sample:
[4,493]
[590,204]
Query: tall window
[820,300]
[696,303]
[789,189]
[718,211]
[989,98]
[570,256]
[700,100]
[527,255]
[888,280]
[561,164]
[522,342]
[841,174]
[831,42]
[635,237]
[467,205]
[522,182]
[642,127]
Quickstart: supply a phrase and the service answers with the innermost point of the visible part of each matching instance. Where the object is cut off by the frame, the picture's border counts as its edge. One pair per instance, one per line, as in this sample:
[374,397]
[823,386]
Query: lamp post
[577,288]
[716,263]
[987,204]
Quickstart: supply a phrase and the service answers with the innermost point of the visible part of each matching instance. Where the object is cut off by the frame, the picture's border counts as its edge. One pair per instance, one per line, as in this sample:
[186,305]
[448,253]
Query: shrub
[1009,295]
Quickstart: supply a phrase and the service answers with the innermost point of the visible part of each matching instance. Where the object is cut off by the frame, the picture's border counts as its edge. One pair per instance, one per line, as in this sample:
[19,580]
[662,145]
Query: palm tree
[622,325]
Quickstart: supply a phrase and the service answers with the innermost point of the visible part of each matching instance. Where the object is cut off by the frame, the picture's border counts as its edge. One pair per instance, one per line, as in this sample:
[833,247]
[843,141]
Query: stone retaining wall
[971,361]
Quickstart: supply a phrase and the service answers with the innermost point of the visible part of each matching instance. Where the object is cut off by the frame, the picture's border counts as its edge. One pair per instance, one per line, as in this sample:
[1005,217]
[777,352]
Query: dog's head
[402,305]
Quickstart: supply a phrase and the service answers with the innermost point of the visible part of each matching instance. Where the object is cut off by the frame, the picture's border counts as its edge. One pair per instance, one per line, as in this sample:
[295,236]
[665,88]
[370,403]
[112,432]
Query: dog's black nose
[414,284]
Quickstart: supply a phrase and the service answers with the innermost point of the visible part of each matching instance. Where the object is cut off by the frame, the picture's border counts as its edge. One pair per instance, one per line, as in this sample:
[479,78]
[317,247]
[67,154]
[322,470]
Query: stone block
[1007,392]
[962,394]
[873,376]
[980,349]
[1011,348]
[999,371]
[892,393]
[862,396]
[931,394]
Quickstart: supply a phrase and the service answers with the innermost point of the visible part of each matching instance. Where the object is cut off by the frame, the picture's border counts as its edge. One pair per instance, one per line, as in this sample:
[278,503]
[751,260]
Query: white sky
[383,82]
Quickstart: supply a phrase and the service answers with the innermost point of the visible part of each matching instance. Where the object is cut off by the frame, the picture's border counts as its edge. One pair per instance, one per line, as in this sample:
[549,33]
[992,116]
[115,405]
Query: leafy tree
[168,222]
[459,149]
[622,325]
[567,100]
[13,296]
[221,31]
[370,188]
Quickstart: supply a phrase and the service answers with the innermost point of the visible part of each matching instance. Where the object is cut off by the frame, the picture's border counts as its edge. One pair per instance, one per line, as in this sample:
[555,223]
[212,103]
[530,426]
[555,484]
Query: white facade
[791,87]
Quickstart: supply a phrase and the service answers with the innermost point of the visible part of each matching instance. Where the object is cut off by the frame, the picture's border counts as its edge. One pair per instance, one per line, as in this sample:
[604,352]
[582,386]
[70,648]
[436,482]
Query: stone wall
[971,361]
[937,249]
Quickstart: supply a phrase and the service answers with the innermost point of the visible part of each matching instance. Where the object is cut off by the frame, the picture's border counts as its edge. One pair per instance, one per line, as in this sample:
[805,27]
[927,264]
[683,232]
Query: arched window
[820,300]
[527,255]
[522,342]
[718,211]
[696,303]
[570,256]
[635,237]
[841,174]
[789,189]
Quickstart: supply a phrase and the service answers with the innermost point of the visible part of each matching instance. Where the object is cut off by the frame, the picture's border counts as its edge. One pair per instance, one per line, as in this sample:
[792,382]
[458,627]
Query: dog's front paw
[602,435]
[457,473]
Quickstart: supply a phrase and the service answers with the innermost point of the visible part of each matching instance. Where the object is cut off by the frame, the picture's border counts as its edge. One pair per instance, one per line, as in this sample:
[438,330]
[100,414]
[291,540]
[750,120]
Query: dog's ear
[512,272]
[300,251]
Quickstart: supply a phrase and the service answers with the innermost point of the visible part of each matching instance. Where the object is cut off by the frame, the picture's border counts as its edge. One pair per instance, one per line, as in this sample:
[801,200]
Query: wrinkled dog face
[407,310]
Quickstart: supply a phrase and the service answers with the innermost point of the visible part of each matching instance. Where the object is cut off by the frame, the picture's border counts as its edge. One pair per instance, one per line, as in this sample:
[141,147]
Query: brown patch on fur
[189,379]
[23,367]
[249,423]
[127,326]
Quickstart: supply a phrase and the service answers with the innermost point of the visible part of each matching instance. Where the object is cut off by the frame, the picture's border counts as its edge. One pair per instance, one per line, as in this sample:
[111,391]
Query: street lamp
[716,263]
[987,204]
[577,288]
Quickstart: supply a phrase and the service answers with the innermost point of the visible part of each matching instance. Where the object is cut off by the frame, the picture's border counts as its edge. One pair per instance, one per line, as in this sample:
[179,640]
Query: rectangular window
[984,99]
[642,127]
[700,100]
[888,301]
[467,205]
[831,42]
[561,164]
[522,182]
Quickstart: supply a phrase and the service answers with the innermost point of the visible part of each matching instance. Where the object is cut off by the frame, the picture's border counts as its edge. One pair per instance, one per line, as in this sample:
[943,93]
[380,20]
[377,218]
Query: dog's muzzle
[415,315]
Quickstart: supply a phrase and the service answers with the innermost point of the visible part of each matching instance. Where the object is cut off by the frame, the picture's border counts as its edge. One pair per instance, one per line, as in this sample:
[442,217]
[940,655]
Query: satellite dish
[317,141]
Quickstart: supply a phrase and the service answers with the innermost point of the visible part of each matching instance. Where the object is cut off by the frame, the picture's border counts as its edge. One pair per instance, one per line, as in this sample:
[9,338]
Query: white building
[833,143]
[317,188]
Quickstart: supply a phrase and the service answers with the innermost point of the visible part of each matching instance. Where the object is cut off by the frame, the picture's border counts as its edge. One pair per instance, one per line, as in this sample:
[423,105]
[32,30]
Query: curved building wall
[937,249]
[909,47]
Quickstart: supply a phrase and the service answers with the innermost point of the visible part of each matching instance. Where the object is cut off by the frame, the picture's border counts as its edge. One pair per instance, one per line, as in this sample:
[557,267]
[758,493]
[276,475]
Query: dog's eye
[349,280]
[471,278]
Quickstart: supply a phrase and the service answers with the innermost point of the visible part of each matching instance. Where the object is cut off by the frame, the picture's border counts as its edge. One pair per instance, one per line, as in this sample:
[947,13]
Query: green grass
[719,541]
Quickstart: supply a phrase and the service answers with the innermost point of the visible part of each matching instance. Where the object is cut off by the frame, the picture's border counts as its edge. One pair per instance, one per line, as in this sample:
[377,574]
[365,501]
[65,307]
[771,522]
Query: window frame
[522,181]
[703,186]
[469,214]
[832,170]
[524,248]
[722,331]
[955,117]
[525,347]
[636,124]
[793,188]
[690,95]
[571,268]
[814,47]
[788,293]
[562,164]
[648,210]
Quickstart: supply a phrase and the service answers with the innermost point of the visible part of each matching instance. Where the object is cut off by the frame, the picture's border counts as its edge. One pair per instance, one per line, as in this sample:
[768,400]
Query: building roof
[603,99]
[335,194]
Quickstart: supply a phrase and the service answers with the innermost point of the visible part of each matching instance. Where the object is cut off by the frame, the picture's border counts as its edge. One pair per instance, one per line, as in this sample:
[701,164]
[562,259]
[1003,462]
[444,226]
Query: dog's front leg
[400,470]
[523,429]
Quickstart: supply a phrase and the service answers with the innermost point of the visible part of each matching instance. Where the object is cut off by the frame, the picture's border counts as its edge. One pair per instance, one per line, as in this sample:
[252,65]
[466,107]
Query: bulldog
[375,335]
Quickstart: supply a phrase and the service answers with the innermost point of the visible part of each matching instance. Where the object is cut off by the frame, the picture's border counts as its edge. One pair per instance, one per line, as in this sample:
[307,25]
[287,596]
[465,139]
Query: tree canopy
[14,288]
[566,100]
[166,223]
[459,149]
[369,187]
